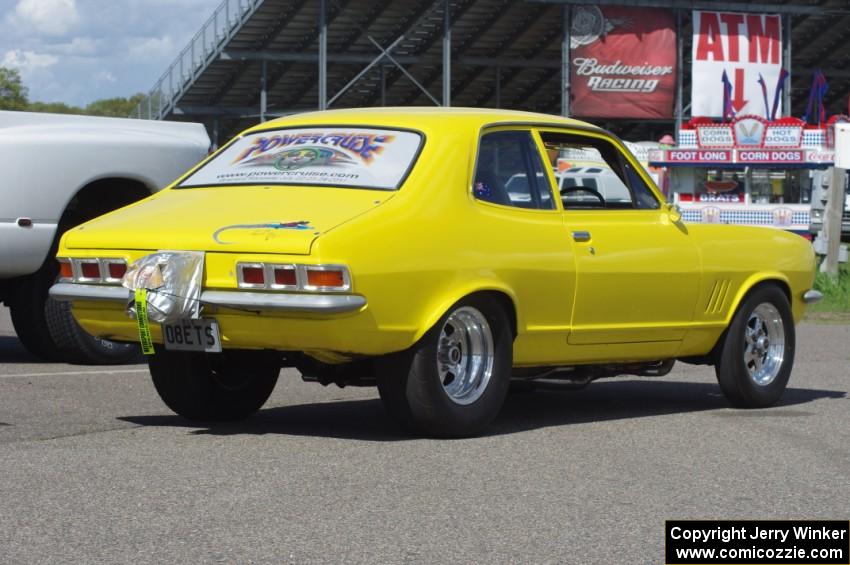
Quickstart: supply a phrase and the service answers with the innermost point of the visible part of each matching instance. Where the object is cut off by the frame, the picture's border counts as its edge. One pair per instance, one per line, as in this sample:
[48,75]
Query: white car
[57,172]
[582,184]
[592,186]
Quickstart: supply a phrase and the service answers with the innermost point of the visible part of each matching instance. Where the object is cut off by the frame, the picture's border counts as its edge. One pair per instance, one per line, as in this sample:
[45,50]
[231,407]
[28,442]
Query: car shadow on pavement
[613,400]
[13,351]
[623,400]
[345,419]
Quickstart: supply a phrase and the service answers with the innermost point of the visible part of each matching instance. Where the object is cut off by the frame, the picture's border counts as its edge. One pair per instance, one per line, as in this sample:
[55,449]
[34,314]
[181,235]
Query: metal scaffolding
[257,59]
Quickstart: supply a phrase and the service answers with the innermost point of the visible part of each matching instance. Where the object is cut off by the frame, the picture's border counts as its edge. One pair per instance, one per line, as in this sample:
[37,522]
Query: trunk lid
[275,219]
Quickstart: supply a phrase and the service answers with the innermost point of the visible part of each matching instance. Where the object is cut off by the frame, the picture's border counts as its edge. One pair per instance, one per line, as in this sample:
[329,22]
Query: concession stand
[748,171]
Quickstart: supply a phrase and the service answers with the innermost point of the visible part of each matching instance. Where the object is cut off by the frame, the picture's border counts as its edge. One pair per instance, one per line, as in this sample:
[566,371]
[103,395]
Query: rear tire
[217,387]
[757,354]
[78,347]
[453,382]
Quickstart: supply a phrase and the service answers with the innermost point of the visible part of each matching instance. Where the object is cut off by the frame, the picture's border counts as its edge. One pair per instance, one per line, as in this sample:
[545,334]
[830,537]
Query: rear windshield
[348,157]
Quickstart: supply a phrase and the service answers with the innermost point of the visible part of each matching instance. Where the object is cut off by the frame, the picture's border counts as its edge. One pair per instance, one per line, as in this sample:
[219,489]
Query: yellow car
[427,251]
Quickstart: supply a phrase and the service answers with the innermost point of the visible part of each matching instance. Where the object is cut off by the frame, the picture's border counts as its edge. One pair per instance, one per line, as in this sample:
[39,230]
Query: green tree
[53,108]
[13,93]
[14,96]
[119,107]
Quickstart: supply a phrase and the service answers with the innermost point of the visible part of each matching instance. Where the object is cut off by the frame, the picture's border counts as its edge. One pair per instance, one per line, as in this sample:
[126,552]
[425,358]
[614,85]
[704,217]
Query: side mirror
[673,211]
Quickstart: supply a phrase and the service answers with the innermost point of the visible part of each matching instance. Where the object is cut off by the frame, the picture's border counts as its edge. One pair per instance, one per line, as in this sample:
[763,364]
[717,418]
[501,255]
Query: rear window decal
[345,157]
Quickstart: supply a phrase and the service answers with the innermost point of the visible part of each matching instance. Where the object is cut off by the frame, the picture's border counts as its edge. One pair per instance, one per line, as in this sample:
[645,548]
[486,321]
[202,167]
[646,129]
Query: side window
[644,198]
[593,174]
[510,171]
[544,187]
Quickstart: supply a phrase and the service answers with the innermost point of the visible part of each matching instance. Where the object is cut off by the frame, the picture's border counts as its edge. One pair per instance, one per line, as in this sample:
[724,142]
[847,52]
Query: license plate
[192,335]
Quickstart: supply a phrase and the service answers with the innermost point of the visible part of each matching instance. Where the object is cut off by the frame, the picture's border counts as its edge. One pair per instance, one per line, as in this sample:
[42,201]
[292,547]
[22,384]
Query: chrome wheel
[764,348]
[465,355]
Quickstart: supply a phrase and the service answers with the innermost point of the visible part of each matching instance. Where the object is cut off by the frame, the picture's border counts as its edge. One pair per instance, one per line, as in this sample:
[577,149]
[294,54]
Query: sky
[78,51]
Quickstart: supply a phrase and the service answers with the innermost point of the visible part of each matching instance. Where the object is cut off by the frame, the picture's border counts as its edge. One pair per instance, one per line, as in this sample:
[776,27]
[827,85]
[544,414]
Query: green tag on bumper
[141,297]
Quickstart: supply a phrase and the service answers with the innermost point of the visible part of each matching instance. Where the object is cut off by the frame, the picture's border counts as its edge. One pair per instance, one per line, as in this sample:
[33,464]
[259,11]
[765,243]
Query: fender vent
[717,299]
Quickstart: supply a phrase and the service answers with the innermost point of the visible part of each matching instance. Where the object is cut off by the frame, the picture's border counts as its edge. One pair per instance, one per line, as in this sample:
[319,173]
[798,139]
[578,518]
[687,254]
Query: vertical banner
[747,47]
[623,62]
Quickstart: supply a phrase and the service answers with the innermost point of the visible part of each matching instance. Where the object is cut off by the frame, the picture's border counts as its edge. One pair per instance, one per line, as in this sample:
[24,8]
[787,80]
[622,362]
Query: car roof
[429,118]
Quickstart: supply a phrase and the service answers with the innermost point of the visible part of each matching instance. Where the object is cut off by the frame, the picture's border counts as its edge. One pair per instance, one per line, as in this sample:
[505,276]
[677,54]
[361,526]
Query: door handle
[581,236]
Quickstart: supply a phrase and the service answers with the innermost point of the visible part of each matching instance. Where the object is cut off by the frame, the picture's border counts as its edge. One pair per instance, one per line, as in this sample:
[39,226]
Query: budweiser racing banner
[748,48]
[623,62]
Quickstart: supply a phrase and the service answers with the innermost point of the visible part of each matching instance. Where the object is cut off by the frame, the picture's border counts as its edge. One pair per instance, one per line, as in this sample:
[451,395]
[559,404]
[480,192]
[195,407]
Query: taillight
[252,275]
[285,277]
[326,279]
[66,272]
[90,269]
[116,271]
[309,278]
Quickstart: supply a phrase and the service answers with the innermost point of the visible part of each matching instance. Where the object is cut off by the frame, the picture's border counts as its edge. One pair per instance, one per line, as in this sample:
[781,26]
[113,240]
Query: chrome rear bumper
[240,300]
[65,292]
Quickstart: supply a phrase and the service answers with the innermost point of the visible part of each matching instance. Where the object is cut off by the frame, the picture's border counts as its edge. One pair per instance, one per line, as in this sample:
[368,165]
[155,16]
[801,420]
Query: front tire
[219,387]
[27,308]
[453,382]
[755,360]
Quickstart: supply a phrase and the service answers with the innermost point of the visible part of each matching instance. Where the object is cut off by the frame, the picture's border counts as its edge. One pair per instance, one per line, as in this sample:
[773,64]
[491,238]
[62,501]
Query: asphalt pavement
[95,469]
